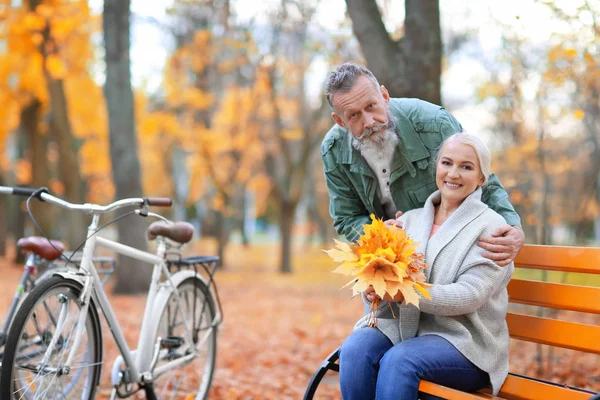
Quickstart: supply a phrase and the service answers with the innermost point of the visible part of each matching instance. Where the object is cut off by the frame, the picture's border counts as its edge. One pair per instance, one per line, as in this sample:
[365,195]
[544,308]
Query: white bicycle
[54,346]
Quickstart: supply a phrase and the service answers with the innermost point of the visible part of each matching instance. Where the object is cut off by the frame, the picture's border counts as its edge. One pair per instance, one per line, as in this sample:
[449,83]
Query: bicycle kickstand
[149,389]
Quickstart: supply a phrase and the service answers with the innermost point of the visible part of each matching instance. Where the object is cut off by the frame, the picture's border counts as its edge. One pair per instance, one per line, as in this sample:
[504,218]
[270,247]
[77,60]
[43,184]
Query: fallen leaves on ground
[279,328]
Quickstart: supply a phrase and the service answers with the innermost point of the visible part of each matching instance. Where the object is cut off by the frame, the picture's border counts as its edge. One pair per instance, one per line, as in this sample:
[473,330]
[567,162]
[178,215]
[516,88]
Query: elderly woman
[459,338]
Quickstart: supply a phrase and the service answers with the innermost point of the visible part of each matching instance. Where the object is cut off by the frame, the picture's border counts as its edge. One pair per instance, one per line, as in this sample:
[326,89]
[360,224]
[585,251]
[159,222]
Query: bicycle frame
[28,279]
[139,362]
[31,266]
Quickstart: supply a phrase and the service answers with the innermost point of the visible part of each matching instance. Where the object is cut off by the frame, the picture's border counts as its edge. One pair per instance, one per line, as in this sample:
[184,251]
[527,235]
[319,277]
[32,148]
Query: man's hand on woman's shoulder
[394,222]
[503,245]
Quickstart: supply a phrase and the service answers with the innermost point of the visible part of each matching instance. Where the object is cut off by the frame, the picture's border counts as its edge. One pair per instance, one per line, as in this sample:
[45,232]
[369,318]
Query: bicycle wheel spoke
[169,317]
[176,378]
[37,357]
[50,314]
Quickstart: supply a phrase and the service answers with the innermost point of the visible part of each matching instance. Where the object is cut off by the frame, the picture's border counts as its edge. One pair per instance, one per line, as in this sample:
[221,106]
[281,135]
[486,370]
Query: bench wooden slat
[560,258]
[555,295]
[516,387]
[451,394]
[569,335]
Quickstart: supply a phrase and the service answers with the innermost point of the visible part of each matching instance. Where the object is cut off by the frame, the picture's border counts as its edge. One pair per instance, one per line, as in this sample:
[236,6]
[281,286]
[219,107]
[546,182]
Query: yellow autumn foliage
[53,42]
[384,258]
[56,67]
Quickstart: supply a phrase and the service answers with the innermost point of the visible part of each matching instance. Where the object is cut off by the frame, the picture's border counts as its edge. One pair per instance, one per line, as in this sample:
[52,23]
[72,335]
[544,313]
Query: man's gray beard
[378,141]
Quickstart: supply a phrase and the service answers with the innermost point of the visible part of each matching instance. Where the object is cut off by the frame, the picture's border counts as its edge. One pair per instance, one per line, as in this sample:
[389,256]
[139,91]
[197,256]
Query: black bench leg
[328,364]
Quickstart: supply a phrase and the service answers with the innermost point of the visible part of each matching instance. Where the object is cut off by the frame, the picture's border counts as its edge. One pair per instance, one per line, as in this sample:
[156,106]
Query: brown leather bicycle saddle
[180,232]
[42,247]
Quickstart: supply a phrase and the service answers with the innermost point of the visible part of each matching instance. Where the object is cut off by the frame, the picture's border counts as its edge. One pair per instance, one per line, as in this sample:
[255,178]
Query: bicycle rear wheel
[198,310]
[23,376]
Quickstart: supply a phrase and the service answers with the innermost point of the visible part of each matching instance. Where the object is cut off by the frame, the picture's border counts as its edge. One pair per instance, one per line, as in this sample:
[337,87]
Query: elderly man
[380,158]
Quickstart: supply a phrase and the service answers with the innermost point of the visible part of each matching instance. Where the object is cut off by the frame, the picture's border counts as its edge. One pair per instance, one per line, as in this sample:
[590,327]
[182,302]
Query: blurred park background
[219,105]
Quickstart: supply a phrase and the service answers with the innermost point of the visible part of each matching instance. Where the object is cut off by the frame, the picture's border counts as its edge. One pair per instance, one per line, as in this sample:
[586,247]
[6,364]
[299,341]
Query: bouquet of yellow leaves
[386,259]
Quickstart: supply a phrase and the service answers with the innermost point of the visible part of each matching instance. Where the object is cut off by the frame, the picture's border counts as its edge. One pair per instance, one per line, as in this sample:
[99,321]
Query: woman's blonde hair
[483,152]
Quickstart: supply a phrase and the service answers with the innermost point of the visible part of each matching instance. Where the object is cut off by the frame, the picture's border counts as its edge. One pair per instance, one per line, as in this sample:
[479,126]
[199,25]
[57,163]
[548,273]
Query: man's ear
[385,94]
[338,120]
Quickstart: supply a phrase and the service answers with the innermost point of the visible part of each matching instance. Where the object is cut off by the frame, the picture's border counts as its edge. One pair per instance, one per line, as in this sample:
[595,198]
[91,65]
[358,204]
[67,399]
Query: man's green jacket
[422,127]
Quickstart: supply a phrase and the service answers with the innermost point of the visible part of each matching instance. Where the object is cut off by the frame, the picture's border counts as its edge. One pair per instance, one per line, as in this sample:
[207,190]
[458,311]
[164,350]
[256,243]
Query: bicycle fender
[180,276]
[69,275]
[165,291]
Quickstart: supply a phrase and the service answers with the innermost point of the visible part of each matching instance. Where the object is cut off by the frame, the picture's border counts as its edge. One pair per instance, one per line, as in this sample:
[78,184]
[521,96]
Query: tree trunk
[132,276]
[38,143]
[222,234]
[416,58]
[4,218]
[241,217]
[60,127]
[286,219]
[323,231]
[317,228]
[16,205]
[18,227]
[69,163]
[423,49]
[544,237]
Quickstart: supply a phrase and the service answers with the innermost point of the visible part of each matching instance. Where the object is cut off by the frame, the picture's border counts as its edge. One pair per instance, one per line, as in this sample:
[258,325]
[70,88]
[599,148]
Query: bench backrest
[559,296]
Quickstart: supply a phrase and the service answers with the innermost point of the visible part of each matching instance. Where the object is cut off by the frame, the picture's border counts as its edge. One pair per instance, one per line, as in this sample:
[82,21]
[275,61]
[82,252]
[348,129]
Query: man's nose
[369,121]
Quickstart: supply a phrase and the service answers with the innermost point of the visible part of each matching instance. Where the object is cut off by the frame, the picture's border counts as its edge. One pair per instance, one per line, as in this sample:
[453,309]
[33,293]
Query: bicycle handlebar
[21,191]
[88,207]
[159,201]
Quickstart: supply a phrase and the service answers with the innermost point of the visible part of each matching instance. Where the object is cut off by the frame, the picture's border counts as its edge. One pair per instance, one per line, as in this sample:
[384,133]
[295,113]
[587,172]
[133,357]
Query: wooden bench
[533,328]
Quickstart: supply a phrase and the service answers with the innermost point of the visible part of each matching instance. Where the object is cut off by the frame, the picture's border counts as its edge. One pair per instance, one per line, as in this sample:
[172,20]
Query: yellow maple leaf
[392,287]
[410,295]
[421,289]
[385,259]
[377,271]
[347,268]
[342,253]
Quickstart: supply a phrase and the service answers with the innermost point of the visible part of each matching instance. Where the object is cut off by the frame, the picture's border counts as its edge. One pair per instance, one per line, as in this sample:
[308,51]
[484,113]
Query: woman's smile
[452,185]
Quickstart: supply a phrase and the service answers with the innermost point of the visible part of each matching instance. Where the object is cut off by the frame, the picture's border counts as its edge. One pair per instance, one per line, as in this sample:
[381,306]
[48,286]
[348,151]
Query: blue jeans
[371,367]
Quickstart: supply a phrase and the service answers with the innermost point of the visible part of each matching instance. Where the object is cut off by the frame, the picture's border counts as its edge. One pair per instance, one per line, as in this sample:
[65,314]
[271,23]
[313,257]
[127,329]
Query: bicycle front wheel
[195,307]
[34,337]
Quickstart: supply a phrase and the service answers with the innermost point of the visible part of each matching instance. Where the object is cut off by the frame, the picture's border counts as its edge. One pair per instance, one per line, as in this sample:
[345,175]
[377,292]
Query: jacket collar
[470,209]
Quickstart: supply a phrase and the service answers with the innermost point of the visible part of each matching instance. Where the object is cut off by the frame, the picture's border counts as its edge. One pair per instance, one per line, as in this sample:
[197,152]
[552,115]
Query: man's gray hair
[344,77]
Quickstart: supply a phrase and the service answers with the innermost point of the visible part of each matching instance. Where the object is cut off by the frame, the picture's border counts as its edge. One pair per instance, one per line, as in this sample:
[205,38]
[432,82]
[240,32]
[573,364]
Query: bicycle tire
[48,272]
[182,386]
[14,364]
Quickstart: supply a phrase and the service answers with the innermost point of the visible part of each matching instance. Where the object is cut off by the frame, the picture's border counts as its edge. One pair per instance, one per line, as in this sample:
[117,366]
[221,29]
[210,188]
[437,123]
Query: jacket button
[420,126]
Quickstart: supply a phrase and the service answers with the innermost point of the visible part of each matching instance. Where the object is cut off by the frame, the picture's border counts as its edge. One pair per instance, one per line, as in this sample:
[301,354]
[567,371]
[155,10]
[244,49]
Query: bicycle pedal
[171,342]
